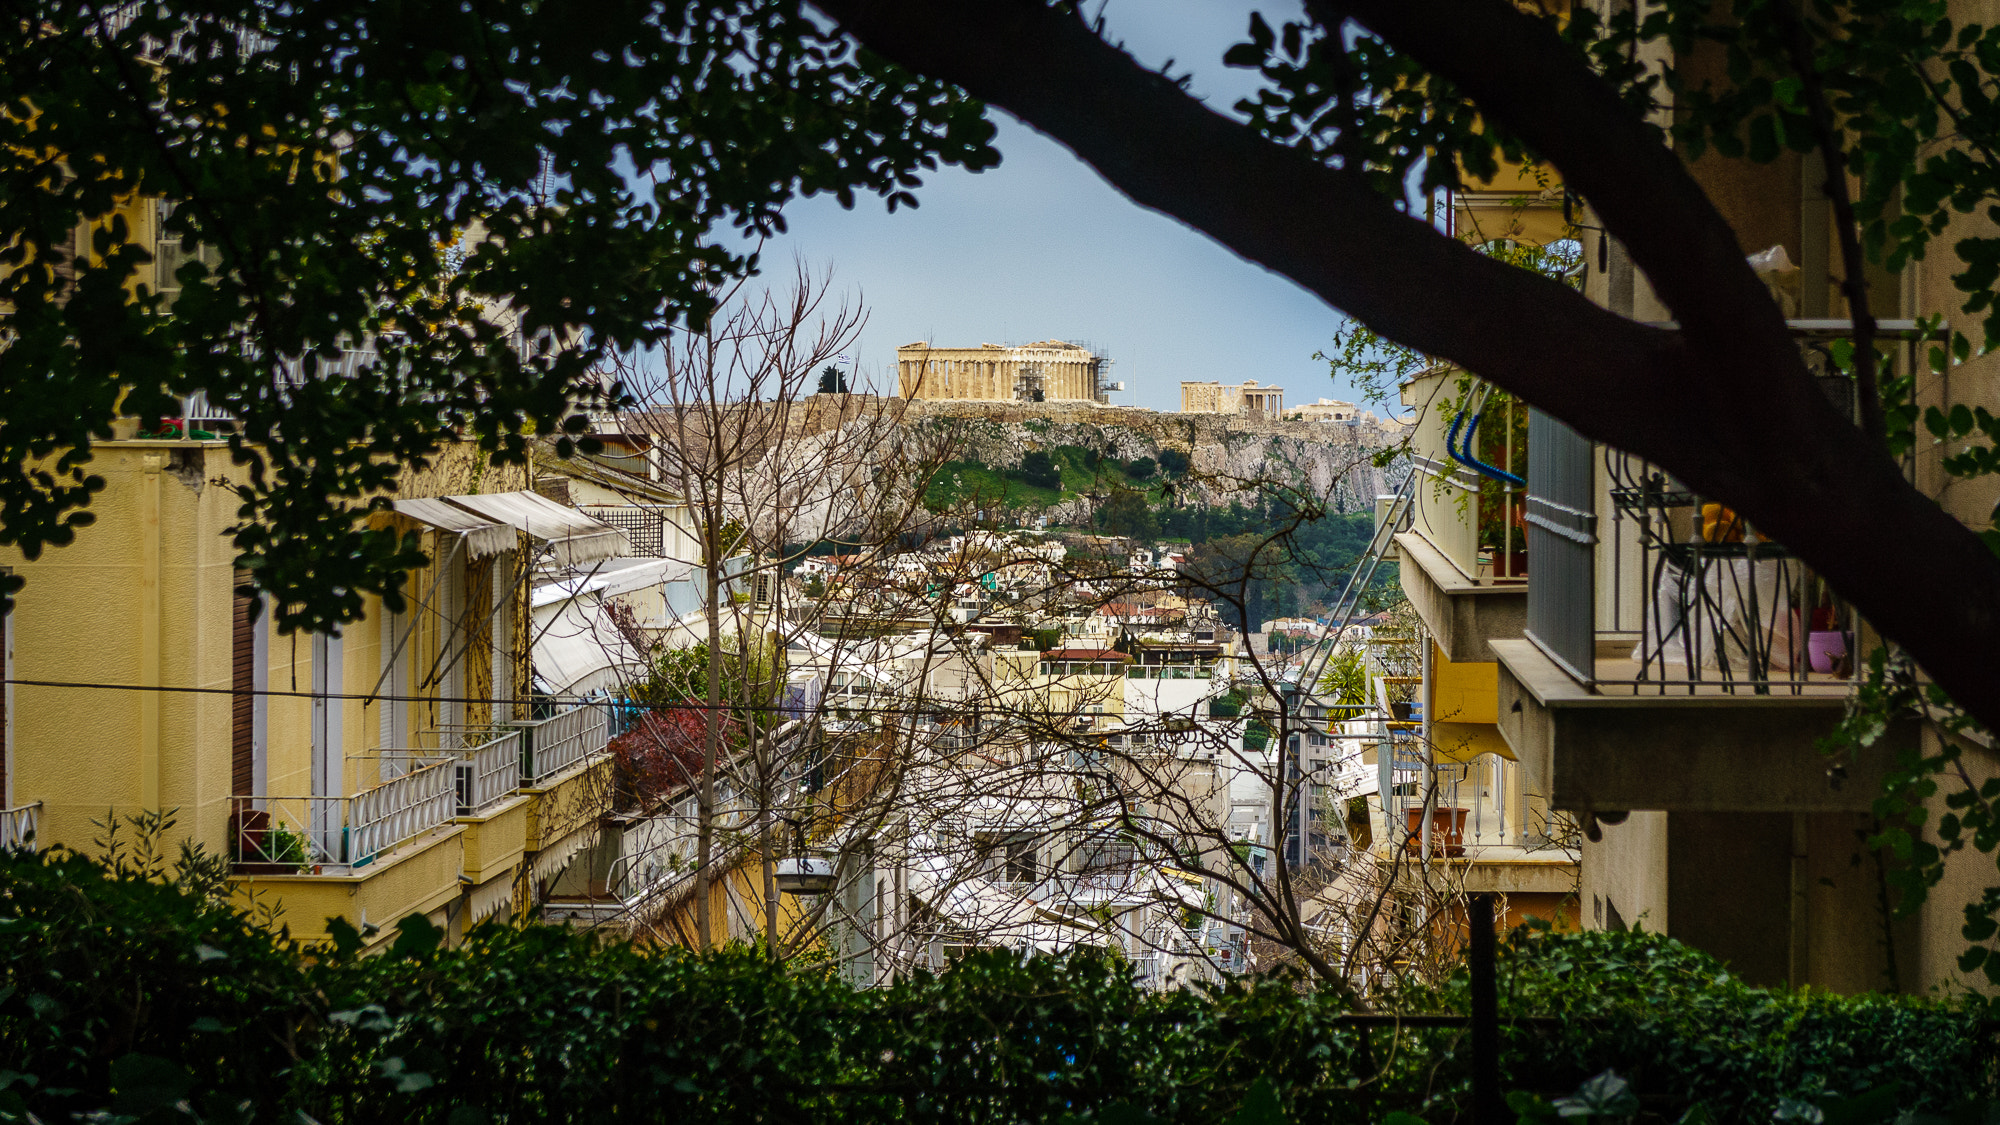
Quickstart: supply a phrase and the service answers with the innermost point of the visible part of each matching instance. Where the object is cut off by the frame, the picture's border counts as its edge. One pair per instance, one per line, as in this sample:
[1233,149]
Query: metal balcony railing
[550,746]
[19,826]
[1699,601]
[1170,672]
[198,413]
[306,835]
[486,763]
[1642,586]
[1651,588]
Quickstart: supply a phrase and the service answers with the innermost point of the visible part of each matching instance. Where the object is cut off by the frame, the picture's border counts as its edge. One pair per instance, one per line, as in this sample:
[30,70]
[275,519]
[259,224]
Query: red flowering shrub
[660,755]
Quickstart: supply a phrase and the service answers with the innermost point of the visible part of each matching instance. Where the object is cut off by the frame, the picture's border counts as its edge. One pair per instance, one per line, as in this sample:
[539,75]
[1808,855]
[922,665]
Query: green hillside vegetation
[1137,500]
[1043,479]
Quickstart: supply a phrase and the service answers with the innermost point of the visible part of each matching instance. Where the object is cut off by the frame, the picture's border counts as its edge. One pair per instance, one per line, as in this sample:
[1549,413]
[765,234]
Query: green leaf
[1605,1095]
[1260,1105]
[141,1084]
[416,939]
[405,1080]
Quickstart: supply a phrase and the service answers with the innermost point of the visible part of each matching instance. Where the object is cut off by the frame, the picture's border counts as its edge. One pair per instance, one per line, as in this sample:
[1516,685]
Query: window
[169,256]
[1020,862]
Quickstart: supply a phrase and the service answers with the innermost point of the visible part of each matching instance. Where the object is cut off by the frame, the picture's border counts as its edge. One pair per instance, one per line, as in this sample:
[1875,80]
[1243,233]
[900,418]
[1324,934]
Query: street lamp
[805,875]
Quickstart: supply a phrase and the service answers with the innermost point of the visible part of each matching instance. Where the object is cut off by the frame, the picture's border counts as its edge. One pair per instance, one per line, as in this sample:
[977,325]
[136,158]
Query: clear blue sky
[1041,248]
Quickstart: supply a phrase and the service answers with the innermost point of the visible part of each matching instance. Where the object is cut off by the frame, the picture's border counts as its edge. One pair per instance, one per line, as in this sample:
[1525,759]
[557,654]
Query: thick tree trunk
[1724,402]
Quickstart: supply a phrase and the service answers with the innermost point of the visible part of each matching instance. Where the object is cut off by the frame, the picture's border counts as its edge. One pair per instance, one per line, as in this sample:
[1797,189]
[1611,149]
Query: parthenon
[1049,371]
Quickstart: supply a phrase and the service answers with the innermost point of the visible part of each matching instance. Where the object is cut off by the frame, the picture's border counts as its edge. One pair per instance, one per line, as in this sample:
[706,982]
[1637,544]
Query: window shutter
[242,681]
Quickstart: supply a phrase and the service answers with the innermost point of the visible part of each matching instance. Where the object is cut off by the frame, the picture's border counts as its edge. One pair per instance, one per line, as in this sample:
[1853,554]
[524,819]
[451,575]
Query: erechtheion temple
[1247,399]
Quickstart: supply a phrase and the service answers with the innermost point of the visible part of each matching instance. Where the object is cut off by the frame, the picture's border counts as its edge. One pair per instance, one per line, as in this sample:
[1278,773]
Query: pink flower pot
[1826,649]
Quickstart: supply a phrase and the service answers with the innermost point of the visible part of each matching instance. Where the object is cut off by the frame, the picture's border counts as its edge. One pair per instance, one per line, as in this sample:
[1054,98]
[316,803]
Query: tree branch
[1726,403]
[1833,157]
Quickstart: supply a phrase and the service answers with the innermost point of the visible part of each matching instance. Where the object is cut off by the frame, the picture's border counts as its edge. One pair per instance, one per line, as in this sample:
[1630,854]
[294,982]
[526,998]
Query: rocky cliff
[1229,457]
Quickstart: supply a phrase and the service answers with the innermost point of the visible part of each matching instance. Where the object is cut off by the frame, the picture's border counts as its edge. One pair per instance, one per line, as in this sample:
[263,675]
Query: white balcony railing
[1169,672]
[552,745]
[486,763]
[198,413]
[19,825]
[489,773]
[306,835]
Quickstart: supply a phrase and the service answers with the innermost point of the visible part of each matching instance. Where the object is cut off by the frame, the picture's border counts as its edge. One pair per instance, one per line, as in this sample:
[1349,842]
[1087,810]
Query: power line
[823,709]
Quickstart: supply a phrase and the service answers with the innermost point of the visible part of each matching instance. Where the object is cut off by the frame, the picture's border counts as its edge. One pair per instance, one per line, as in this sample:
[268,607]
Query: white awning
[578,652]
[549,862]
[577,538]
[626,576]
[490,897]
[483,537]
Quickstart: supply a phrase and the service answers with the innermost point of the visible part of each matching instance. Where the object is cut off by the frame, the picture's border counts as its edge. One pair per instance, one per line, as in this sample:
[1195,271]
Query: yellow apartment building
[397,767]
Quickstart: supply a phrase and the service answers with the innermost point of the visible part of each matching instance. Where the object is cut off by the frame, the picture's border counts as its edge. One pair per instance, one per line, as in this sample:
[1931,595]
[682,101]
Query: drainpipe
[149,629]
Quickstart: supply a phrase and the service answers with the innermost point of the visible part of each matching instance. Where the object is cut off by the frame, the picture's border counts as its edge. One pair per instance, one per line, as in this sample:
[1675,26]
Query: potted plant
[267,849]
[1828,650]
[1447,831]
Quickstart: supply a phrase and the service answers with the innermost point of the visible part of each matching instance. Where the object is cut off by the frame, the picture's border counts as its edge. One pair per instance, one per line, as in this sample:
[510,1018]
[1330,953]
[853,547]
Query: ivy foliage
[492,195]
[143,996]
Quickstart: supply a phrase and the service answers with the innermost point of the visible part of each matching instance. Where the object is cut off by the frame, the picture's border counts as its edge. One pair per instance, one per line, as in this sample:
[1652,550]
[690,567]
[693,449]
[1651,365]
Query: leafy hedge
[149,999]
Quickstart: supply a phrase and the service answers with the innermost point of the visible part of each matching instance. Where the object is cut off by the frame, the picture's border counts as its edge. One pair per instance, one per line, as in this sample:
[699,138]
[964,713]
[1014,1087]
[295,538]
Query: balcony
[337,835]
[486,764]
[560,742]
[198,415]
[19,826]
[640,866]
[1673,658]
[1170,672]
[565,768]
[1466,547]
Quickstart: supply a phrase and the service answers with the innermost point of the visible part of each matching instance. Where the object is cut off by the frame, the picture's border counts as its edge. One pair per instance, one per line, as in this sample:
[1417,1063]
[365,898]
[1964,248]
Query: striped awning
[550,861]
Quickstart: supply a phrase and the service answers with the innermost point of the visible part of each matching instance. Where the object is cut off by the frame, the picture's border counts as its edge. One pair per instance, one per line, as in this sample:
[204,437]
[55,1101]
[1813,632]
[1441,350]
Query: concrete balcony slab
[1618,750]
[1462,615]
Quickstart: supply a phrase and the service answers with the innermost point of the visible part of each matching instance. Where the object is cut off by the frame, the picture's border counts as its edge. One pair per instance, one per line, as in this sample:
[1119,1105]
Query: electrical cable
[171,689]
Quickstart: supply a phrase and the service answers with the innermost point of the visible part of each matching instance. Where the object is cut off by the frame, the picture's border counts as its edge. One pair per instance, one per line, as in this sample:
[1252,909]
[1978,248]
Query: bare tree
[768,469]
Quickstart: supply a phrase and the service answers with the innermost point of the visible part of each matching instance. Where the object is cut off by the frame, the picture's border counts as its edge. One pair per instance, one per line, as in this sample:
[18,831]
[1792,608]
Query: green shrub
[126,991]
[1039,469]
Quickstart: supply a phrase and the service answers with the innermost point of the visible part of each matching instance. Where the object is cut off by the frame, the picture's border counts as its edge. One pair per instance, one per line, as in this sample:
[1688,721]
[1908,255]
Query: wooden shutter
[242,681]
[6,672]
